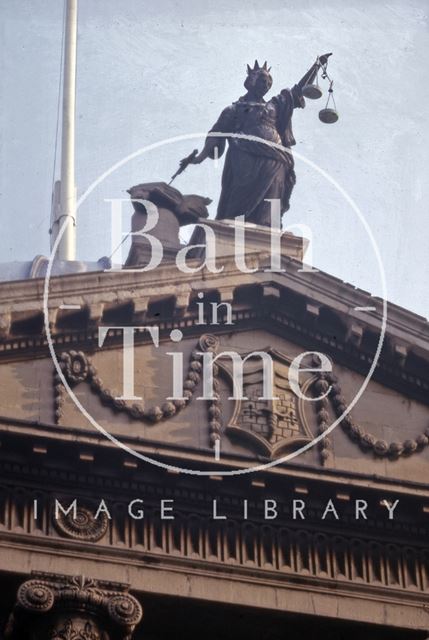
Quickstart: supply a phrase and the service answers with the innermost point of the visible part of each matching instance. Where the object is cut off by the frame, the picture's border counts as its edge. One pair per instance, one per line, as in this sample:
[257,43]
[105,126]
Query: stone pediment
[316,305]
[282,313]
[383,427]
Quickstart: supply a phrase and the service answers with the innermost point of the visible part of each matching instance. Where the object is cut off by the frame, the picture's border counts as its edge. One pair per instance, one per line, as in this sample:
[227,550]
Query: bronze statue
[255,171]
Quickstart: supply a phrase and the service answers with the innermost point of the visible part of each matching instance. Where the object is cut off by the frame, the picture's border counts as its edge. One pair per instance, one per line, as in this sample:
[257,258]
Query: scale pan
[312,91]
[328,115]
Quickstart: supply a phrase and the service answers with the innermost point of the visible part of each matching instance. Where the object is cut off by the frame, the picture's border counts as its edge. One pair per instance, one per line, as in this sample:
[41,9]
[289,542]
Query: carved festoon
[76,367]
[367,441]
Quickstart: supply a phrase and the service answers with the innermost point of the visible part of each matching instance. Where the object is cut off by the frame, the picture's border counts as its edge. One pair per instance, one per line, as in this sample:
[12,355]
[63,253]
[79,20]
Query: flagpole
[67,205]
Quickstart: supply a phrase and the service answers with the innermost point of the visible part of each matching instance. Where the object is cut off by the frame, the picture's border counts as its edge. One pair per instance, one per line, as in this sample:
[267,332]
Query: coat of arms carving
[275,425]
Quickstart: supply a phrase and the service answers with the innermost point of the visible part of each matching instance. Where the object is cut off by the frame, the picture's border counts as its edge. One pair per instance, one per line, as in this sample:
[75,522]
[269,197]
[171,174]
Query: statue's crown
[258,68]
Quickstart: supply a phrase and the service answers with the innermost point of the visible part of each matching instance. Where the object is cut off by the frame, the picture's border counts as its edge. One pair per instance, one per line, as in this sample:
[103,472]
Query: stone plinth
[257,238]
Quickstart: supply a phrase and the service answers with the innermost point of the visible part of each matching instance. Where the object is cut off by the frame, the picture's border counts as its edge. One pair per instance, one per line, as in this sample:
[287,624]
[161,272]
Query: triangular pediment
[283,314]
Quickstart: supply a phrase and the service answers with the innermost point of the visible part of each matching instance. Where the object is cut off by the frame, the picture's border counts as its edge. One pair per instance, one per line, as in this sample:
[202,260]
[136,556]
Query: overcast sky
[149,70]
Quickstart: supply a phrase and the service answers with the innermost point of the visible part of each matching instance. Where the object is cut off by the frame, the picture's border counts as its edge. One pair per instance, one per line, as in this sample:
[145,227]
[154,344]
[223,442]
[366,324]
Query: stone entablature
[375,563]
[322,552]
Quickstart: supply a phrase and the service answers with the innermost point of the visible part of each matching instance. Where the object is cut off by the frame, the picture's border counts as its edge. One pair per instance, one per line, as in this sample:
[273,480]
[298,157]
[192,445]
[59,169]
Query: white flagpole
[67,208]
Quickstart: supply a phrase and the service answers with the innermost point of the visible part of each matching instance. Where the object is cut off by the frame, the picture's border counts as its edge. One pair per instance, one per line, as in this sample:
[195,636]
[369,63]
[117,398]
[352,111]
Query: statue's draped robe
[255,171]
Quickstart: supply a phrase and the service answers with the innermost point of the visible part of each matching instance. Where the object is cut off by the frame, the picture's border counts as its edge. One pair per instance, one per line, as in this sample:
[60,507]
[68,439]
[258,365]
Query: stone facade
[363,577]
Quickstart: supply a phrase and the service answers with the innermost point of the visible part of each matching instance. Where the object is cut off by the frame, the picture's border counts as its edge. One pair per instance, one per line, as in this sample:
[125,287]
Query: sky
[153,70]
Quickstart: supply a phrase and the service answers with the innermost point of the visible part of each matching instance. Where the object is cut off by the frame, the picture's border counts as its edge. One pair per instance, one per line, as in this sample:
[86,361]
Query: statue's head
[258,79]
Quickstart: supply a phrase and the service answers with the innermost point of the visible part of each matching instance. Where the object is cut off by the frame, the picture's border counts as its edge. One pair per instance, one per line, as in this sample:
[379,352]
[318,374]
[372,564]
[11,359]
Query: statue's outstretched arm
[308,77]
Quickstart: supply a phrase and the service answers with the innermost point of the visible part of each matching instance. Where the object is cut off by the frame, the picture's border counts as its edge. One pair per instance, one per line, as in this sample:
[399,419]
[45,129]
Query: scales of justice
[258,168]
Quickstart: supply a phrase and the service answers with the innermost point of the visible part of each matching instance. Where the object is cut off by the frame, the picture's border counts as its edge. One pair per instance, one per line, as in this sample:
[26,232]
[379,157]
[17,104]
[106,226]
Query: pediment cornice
[299,301]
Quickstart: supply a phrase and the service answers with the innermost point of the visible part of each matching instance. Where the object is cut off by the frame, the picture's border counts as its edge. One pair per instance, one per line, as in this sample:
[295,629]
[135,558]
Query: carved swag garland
[357,434]
[77,367]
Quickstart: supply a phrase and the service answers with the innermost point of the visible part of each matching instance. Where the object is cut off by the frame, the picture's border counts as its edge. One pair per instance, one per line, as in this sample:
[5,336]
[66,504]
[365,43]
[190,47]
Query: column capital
[58,607]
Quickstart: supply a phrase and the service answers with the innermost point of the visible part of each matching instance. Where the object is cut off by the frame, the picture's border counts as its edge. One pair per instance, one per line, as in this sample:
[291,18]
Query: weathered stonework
[369,575]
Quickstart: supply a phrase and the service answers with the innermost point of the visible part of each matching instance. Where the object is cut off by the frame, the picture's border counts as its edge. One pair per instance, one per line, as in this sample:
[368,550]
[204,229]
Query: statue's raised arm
[308,77]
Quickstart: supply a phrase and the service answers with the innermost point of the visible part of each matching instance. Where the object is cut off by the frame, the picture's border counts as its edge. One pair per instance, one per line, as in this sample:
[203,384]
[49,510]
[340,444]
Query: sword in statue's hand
[184,163]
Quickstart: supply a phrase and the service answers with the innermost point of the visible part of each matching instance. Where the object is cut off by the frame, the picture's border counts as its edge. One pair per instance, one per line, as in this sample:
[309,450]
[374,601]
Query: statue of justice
[257,171]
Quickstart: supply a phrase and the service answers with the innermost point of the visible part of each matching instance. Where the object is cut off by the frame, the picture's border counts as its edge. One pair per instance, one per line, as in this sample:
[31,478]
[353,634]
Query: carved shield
[275,425]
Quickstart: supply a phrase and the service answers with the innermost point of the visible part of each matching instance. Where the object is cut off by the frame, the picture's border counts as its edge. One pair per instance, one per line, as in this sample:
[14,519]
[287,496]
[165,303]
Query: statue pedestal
[257,238]
[175,210]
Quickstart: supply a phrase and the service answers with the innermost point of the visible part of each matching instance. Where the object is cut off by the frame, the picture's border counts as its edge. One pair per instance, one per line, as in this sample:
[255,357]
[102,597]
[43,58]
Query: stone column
[51,607]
